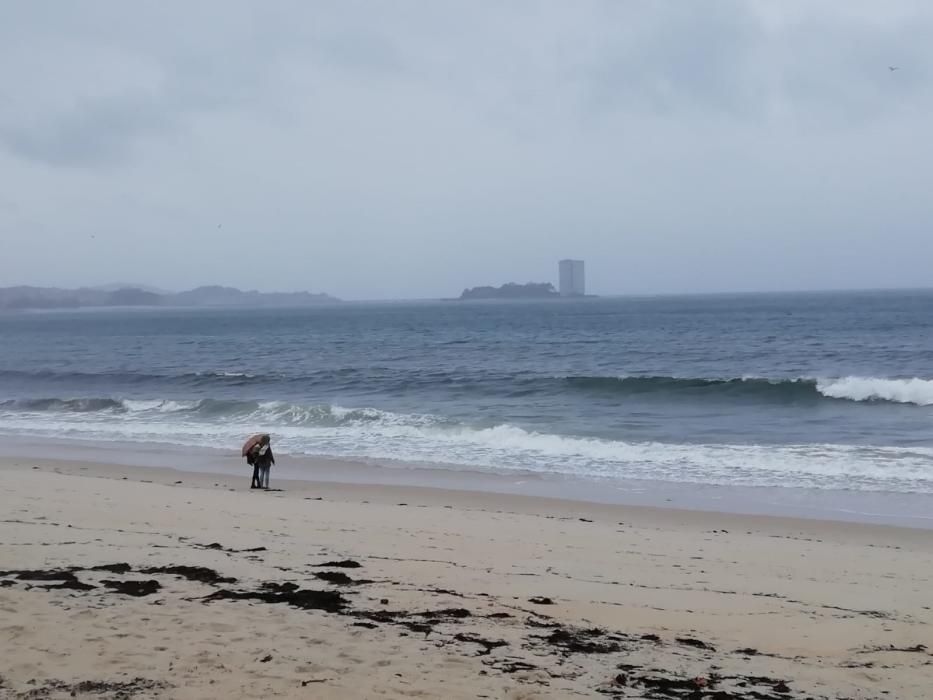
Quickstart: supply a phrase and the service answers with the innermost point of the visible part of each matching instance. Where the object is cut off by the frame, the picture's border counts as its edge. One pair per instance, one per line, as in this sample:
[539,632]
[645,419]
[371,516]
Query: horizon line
[600,295]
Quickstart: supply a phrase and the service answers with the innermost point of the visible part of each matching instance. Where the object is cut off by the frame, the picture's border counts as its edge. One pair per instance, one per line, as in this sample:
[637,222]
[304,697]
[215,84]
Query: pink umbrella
[252,442]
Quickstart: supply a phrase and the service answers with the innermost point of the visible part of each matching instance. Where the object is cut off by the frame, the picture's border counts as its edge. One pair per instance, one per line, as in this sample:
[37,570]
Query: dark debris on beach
[343,564]
[339,578]
[137,589]
[288,594]
[116,690]
[201,574]
[540,636]
[63,578]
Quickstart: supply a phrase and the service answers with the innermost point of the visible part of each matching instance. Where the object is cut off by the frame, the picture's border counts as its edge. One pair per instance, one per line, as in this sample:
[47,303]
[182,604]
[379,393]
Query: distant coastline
[26,298]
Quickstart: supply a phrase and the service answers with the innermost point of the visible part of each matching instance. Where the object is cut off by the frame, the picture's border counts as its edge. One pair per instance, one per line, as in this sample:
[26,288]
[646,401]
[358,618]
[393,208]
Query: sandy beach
[133,582]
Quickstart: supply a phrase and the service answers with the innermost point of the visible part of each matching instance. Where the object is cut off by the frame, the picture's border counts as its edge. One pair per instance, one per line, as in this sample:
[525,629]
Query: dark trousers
[257,481]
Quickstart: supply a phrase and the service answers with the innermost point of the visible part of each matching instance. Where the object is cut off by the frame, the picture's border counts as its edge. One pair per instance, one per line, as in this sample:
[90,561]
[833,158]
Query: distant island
[29,298]
[531,290]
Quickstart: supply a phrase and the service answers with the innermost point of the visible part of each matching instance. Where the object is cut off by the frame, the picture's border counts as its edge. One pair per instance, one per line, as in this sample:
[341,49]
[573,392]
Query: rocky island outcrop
[531,290]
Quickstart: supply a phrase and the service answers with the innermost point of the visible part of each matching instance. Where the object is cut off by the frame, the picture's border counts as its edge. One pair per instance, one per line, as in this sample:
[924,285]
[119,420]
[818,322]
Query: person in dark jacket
[251,461]
[262,459]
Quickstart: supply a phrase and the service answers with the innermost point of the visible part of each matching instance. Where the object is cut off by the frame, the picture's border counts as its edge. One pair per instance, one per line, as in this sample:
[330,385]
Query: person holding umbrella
[258,452]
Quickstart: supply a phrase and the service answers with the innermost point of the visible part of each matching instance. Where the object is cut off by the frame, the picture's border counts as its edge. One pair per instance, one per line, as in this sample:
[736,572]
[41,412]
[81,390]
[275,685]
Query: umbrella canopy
[252,442]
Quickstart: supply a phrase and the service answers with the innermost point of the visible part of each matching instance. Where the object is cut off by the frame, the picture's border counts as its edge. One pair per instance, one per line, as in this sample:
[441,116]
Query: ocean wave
[159,405]
[92,405]
[132,378]
[280,413]
[914,391]
[907,391]
[370,433]
[697,386]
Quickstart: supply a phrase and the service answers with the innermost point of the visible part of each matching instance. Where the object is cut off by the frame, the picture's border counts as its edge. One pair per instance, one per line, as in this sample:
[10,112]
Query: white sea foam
[162,406]
[915,391]
[371,433]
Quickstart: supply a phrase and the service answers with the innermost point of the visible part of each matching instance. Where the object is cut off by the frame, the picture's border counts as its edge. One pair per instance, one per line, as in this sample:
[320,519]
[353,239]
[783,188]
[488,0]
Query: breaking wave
[370,433]
[915,391]
[909,391]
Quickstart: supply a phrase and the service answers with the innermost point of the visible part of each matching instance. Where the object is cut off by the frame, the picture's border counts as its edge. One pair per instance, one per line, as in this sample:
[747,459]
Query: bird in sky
[893,68]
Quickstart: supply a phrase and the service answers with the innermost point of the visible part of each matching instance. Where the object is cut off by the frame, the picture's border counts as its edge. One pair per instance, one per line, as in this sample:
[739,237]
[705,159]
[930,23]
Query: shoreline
[881,508]
[465,499]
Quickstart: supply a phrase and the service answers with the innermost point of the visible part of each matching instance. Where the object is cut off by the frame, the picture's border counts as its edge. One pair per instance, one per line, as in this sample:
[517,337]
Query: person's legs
[265,476]
[256,483]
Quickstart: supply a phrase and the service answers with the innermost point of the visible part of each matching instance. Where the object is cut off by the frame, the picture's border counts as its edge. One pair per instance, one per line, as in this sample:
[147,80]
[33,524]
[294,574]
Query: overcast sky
[409,149]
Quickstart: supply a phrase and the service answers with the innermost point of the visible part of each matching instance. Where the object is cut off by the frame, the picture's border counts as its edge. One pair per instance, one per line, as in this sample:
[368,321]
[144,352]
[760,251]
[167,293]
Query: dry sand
[631,602]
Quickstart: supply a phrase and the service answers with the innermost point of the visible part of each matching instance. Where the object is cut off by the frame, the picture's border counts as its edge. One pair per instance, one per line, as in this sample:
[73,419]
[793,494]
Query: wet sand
[134,582]
[911,510]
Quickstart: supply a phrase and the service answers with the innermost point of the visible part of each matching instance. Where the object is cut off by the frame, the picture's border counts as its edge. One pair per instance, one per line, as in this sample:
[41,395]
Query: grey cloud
[93,132]
[413,148]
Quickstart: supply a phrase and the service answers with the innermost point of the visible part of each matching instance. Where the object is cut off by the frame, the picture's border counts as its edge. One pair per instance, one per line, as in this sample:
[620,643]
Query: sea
[821,392]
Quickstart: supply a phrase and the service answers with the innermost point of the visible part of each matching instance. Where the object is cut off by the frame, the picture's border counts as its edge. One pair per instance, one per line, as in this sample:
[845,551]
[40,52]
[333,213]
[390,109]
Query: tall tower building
[572,278]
